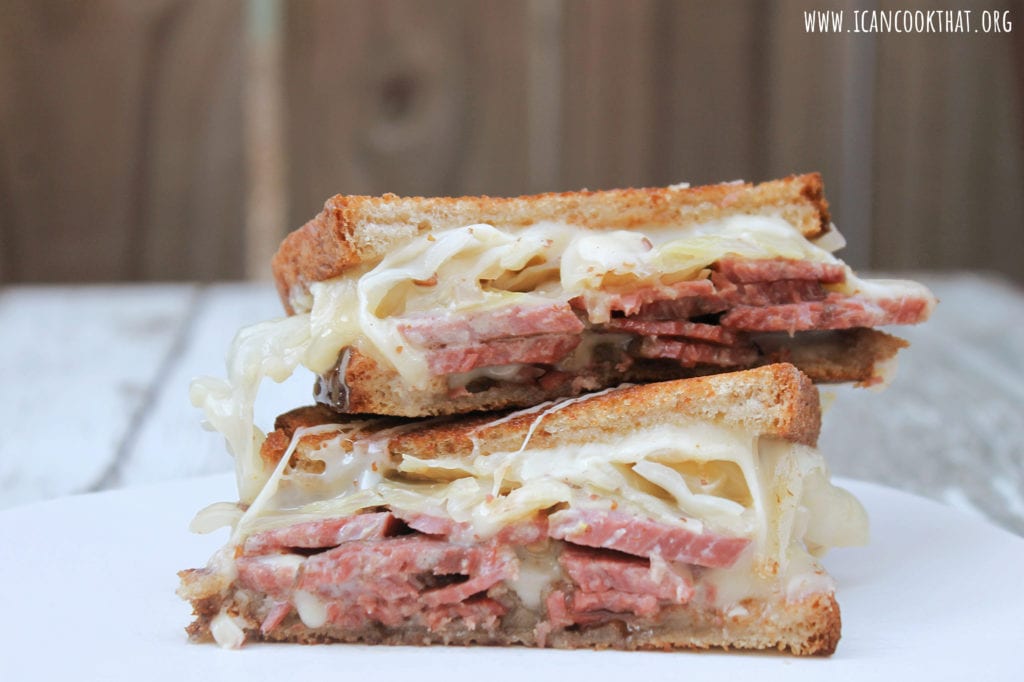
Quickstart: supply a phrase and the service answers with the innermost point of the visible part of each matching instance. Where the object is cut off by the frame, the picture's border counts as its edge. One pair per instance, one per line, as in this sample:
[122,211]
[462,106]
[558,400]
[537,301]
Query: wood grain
[152,140]
[120,155]
[711,124]
[265,161]
[818,116]
[406,97]
[949,178]
[610,90]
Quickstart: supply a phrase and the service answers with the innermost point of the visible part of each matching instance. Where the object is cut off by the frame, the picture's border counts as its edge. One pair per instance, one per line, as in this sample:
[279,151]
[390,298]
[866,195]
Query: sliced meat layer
[321,534]
[682,308]
[403,568]
[600,306]
[592,603]
[613,566]
[432,525]
[735,281]
[600,571]
[478,613]
[773,269]
[644,537]
[768,293]
[692,353]
[835,312]
[682,328]
[541,349]
[431,330]
[406,578]
[525,532]
[273,574]
[391,581]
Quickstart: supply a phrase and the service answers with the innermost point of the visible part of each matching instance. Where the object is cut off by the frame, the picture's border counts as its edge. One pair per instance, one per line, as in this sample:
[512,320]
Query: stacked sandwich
[580,419]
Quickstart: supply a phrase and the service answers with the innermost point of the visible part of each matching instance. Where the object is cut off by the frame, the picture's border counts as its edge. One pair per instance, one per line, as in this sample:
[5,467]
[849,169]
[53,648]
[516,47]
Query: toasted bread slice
[389,531]
[354,230]
[776,400]
[429,306]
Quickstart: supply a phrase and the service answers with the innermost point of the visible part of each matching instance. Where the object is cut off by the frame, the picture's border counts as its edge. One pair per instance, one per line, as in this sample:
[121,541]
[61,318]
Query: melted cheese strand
[270,487]
[467,266]
[807,515]
[499,473]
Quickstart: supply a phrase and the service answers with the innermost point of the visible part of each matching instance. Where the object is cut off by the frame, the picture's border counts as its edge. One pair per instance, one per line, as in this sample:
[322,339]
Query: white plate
[87,592]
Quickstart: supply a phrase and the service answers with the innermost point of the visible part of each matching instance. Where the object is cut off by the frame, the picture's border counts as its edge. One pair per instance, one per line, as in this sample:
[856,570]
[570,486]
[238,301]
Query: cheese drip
[697,476]
[457,271]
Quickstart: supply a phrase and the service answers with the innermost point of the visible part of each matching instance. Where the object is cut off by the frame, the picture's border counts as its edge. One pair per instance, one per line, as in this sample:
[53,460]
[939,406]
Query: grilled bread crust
[776,400]
[355,230]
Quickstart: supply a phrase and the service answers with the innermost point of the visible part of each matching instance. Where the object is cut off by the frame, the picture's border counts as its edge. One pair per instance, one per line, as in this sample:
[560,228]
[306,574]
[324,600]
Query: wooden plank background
[180,139]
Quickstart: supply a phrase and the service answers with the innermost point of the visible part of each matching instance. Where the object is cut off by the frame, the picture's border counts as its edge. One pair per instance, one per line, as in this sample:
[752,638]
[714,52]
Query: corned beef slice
[689,330]
[643,537]
[773,269]
[699,322]
[320,534]
[690,353]
[602,571]
[835,312]
[367,574]
[540,348]
[431,330]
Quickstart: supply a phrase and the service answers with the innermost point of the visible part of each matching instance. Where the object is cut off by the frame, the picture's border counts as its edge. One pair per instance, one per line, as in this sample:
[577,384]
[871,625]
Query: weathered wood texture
[949,164]
[120,144]
[411,97]
[80,368]
[124,153]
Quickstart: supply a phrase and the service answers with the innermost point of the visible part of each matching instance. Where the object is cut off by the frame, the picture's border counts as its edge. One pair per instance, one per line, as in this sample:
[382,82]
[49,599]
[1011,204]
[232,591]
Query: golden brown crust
[352,230]
[286,424]
[848,355]
[775,400]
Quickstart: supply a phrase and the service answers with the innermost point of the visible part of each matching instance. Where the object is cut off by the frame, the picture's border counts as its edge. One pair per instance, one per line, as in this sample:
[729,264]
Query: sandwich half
[681,514]
[418,307]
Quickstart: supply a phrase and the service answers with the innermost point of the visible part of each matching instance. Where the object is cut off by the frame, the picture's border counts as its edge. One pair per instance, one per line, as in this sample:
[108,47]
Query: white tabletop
[94,393]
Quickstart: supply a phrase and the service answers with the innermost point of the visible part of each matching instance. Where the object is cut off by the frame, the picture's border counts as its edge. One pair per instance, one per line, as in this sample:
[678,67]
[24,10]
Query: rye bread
[776,400]
[357,230]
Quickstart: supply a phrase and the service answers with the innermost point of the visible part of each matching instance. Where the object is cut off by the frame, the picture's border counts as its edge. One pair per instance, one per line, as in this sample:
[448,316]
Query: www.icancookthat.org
[908,21]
